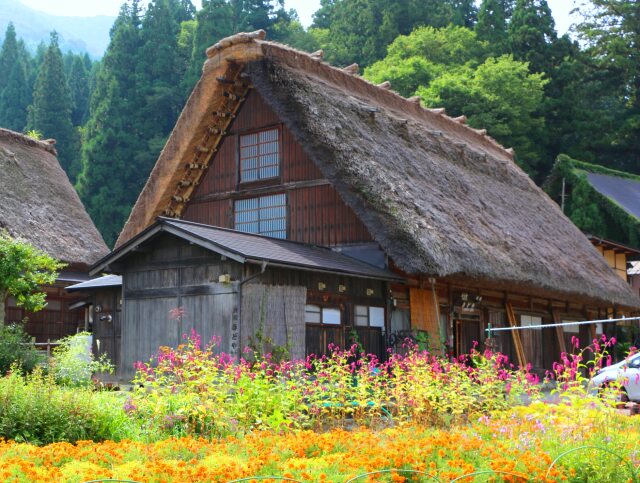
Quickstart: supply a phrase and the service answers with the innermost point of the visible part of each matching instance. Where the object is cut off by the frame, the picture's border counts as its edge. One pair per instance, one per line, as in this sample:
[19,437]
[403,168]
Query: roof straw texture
[39,205]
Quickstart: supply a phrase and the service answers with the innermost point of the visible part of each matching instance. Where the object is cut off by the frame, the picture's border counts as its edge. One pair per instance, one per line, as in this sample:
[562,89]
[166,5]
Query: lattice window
[266,215]
[259,156]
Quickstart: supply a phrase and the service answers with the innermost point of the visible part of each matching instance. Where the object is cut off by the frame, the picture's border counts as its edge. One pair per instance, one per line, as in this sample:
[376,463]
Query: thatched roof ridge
[39,205]
[436,118]
[441,199]
[48,145]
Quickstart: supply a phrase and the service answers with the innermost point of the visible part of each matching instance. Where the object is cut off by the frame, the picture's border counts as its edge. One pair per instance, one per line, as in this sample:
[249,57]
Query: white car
[626,373]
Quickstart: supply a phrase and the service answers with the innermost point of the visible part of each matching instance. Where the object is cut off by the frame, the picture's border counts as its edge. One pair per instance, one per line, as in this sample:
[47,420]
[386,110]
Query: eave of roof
[613,245]
[106,281]
[255,249]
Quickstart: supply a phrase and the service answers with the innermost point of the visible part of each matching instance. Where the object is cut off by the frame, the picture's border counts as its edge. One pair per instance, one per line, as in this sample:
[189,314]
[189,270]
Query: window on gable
[266,215]
[259,155]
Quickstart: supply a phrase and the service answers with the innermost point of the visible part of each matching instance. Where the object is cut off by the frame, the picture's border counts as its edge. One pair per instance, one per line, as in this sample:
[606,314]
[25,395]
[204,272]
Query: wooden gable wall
[316,212]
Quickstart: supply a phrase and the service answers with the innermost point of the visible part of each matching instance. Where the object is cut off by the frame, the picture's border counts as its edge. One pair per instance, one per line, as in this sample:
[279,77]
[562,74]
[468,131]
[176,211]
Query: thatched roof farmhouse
[356,167]
[39,205]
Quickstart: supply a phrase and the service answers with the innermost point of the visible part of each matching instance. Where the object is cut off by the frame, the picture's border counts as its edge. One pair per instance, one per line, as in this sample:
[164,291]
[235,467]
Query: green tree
[361,30]
[134,106]
[611,32]
[417,59]
[110,180]
[213,22]
[50,112]
[79,89]
[532,34]
[323,16]
[8,53]
[220,18]
[450,67]
[15,94]
[465,13]
[23,271]
[492,24]
[15,98]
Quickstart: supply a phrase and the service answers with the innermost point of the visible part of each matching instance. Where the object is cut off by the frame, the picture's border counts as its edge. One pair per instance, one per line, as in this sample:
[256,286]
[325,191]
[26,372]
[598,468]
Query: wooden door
[107,326]
[318,338]
[372,341]
[467,334]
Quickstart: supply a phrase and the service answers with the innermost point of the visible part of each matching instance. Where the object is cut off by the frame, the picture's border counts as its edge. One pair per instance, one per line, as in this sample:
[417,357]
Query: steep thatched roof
[440,198]
[39,205]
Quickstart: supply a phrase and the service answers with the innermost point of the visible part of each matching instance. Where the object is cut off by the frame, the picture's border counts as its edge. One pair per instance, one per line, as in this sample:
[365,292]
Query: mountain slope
[78,34]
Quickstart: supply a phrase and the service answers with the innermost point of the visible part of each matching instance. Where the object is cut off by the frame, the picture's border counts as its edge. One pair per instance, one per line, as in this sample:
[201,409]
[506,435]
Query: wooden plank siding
[316,212]
[55,321]
[107,334]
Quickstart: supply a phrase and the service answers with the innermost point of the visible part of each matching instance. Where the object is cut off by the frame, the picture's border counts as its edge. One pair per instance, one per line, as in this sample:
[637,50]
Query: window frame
[259,180]
[356,316]
[322,308]
[285,217]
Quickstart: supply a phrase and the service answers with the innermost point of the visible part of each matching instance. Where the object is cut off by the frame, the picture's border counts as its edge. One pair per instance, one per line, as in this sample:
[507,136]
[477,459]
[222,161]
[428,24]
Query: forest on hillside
[500,62]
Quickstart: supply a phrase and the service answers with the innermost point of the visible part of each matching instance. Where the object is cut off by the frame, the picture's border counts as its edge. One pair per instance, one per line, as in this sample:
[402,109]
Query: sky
[305,9]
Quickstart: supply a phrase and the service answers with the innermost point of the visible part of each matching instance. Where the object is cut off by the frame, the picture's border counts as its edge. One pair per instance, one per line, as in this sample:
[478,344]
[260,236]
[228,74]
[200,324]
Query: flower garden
[197,415]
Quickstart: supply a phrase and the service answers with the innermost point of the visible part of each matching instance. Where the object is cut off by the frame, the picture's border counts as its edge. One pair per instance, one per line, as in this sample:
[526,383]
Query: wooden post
[48,348]
[559,331]
[517,341]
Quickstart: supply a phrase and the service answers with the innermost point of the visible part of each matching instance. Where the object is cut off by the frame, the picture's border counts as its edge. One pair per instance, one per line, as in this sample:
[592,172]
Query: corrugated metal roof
[100,282]
[624,191]
[282,252]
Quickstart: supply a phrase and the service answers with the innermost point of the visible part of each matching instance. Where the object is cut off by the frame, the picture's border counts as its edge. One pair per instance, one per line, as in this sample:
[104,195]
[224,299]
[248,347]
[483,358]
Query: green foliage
[417,59]
[73,363]
[110,181]
[532,33]
[492,24]
[591,211]
[34,409]
[51,109]
[23,271]
[17,349]
[611,30]
[79,89]
[15,93]
[34,134]
[361,30]
[451,68]
[192,390]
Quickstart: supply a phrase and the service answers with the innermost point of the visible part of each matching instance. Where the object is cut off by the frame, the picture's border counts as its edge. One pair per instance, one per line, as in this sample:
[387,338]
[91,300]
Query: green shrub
[16,348]
[191,390]
[73,363]
[35,410]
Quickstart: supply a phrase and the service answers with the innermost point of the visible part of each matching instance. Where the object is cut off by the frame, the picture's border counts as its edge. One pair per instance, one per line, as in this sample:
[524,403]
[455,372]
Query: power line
[563,324]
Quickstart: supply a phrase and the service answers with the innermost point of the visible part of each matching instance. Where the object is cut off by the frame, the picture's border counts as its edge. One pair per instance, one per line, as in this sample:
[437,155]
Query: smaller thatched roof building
[39,205]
